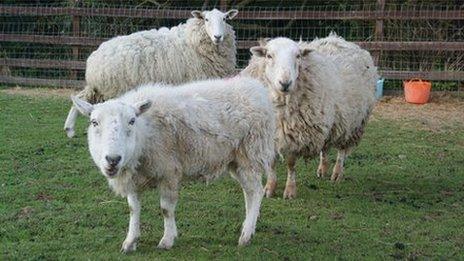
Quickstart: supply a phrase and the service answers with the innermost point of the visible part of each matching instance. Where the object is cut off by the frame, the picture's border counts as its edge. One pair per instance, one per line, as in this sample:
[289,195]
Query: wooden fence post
[223,5]
[378,34]
[76,33]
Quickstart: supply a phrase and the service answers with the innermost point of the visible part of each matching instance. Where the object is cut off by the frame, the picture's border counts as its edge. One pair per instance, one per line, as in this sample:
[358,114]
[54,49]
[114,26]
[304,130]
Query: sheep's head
[282,60]
[112,133]
[215,22]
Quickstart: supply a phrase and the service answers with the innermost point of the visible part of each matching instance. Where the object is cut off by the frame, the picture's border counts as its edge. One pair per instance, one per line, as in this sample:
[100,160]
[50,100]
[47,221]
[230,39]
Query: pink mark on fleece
[231,78]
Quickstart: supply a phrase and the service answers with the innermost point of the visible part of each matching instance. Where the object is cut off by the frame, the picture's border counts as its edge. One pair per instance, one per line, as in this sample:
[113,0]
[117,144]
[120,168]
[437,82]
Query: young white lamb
[202,48]
[156,135]
[319,103]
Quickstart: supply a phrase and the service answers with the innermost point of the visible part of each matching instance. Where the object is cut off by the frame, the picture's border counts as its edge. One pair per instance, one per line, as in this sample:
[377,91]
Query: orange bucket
[417,91]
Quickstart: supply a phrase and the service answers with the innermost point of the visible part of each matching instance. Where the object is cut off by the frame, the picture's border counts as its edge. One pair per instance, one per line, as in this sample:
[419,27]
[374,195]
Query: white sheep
[359,75]
[304,92]
[156,135]
[202,48]
[316,105]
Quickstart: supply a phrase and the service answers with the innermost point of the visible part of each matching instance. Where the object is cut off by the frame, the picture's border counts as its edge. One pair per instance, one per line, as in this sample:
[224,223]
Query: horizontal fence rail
[43,63]
[261,15]
[95,41]
[52,39]
[74,39]
[42,82]
[434,76]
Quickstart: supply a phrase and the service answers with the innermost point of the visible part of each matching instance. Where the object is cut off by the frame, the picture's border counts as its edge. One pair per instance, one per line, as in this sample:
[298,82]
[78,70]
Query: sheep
[315,102]
[304,92]
[155,135]
[202,48]
[360,75]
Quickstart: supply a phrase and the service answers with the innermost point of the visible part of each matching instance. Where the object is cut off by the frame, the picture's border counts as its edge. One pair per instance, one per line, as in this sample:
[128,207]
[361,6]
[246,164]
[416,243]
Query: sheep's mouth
[283,92]
[111,171]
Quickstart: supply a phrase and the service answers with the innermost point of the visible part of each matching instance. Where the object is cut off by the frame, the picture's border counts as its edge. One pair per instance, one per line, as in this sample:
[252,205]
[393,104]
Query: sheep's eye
[223,19]
[268,56]
[298,56]
[206,19]
[94,123]
[132,121]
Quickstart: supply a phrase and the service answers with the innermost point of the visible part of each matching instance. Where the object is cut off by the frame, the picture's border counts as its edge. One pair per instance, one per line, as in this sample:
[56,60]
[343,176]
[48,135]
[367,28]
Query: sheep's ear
[263,41]
[82,106]
[305,51]
[258,51]
[142,107]
[231,14]
[197,14]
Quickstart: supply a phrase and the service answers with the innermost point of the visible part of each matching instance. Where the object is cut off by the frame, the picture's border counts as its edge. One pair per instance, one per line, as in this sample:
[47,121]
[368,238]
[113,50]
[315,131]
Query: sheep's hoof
[128,246]
[244,239]
[322,170]
[290,191]
[165,244]
[270,188]
[69,132]
[336,177]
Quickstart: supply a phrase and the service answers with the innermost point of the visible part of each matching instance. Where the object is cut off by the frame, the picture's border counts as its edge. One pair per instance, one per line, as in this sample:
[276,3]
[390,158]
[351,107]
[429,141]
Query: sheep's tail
[87,94]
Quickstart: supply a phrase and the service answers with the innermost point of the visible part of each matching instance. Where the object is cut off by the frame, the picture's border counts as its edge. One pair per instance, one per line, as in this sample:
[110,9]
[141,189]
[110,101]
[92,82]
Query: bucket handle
[415,80]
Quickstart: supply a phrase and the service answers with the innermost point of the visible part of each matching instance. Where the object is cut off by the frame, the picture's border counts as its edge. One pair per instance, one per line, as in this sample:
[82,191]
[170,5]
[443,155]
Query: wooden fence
[76,41]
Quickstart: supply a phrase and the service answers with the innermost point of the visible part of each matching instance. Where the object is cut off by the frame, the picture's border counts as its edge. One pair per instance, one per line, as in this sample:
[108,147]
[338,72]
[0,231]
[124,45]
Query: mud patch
[442,112]
[40,92]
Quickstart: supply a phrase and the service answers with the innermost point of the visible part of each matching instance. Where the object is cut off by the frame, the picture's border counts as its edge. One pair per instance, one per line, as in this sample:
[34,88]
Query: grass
[402,198]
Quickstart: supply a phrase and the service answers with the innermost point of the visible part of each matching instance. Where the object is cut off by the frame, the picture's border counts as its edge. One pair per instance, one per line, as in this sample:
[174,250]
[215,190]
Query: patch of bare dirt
[25,212]
[41,92]
[44,197]
[442,111]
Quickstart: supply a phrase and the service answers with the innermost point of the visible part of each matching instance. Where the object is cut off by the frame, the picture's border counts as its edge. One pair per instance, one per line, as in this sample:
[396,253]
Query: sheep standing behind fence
[202,48]
[157,135]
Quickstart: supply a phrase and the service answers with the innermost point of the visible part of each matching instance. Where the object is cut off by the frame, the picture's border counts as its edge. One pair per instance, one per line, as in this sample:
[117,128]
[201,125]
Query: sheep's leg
[337,174]
[168,201]
[253,193]
[73,113]
[323,163]
[290,186]
[271,181]
[130,243]
[71,122]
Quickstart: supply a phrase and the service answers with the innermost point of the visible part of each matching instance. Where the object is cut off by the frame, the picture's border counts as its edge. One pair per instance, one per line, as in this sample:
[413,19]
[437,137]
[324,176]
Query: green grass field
[403,197]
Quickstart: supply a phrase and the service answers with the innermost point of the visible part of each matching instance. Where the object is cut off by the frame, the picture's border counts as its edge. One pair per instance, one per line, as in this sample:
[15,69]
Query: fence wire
[67,61]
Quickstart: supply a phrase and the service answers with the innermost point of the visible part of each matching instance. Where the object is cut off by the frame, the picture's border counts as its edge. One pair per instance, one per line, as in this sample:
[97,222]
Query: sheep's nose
[285,85]
[113,160]
[218,37]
